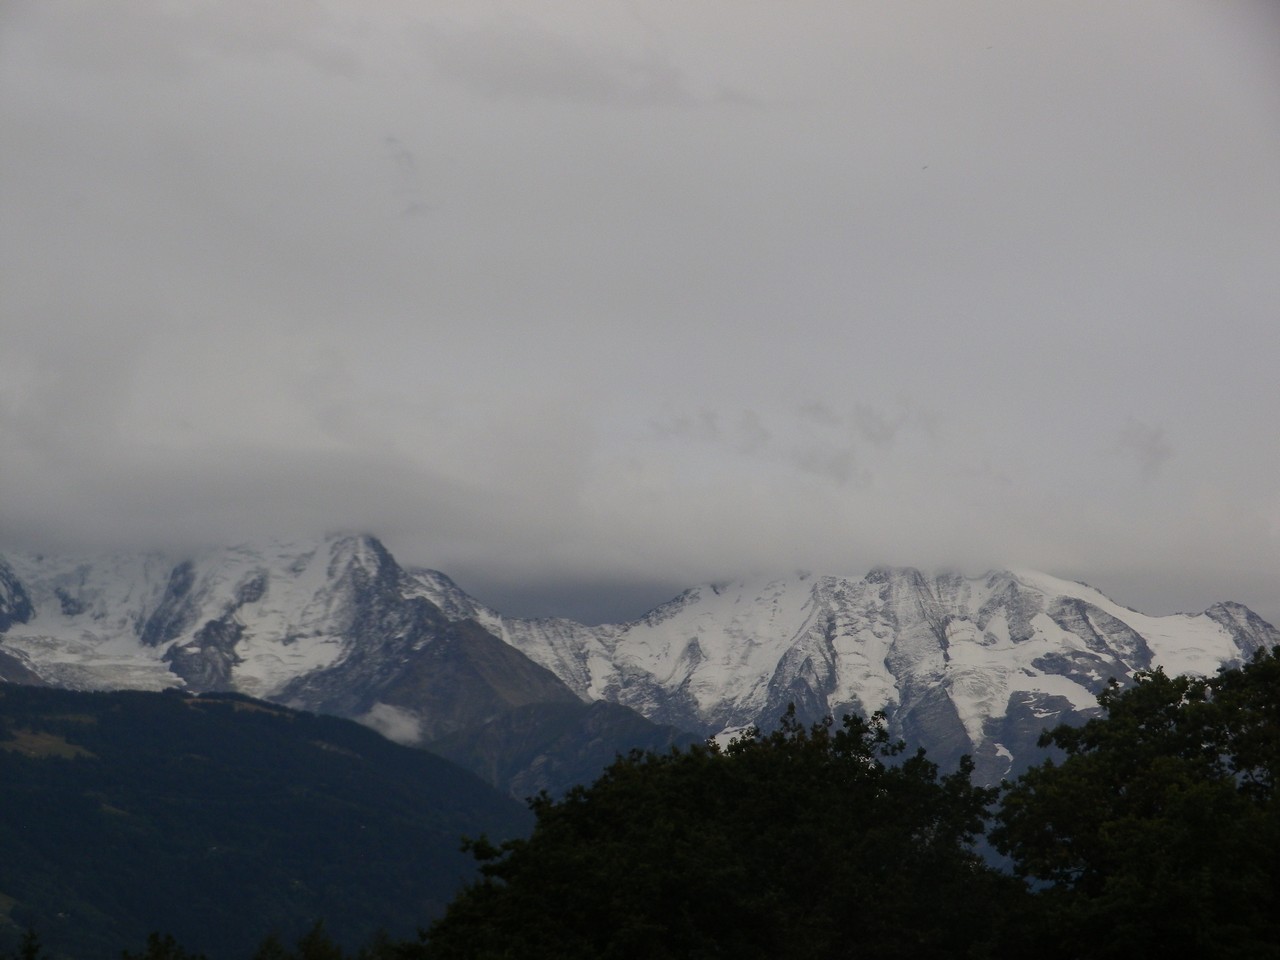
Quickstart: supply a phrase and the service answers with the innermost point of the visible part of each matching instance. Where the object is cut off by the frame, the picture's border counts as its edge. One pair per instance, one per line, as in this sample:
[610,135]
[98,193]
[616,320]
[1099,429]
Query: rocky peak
[15,605]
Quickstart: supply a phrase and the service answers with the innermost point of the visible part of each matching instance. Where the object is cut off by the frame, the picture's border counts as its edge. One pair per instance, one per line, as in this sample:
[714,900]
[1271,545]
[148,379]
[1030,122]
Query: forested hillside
[219,819]
[1155,833]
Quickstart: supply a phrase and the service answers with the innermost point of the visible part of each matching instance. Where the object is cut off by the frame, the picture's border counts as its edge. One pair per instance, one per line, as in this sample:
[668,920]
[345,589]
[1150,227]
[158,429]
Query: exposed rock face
[207,660]
[333,627]
[15,605]
[1249,631]
[959,665]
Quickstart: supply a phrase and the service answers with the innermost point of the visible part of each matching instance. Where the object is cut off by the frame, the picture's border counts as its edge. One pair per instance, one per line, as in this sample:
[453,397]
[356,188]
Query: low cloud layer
[586,304]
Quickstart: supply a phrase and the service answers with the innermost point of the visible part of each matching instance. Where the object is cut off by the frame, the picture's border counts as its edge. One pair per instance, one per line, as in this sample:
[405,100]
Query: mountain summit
[960,665]
[976,665]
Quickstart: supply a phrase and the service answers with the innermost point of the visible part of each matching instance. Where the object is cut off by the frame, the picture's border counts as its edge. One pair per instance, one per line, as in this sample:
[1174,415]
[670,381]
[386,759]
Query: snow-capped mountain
[960,665]
[249,619]
[336,627]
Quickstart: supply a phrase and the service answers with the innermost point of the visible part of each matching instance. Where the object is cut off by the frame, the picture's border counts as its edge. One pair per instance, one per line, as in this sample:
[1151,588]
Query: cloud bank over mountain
[585,303]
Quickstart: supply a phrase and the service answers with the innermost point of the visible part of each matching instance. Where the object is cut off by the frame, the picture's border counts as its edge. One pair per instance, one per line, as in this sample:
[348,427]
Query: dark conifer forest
[218,819]
[1155,831]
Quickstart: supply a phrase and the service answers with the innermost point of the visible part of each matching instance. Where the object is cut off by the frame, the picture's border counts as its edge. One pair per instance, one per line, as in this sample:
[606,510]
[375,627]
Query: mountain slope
[220,819]
[960,664]
[552,746]
[335,626]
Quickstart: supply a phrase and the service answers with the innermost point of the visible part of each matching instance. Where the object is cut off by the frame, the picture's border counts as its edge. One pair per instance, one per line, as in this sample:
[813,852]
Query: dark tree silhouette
[1159,833]
[805,842]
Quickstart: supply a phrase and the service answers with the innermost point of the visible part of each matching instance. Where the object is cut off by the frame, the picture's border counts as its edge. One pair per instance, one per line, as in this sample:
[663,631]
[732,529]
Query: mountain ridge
[959,664]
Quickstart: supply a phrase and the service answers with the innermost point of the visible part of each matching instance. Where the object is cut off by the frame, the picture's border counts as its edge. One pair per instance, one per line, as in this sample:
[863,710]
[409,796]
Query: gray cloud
[1146,445]
[173,42]
[875,426]
[524,61]
[818,412]
[482,283]
[407,187]
[753,436]
[702,425]
[838,464]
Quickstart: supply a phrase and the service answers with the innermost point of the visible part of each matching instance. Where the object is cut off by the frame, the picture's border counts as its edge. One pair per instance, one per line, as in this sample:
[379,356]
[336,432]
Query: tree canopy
[805,842]
[1159,833]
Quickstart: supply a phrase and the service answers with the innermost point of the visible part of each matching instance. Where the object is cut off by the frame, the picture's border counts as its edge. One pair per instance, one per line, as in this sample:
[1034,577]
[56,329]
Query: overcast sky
[584,302]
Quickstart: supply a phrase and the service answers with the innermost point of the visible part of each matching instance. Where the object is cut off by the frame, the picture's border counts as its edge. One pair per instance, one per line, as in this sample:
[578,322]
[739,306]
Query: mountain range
[960,665]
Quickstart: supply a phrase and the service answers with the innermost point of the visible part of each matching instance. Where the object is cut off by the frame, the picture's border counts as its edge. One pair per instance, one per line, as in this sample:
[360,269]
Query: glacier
[959,664]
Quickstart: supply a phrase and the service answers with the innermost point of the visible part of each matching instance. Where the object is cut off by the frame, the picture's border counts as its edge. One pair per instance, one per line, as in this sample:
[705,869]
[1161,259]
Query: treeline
[315,944]
[1157,832]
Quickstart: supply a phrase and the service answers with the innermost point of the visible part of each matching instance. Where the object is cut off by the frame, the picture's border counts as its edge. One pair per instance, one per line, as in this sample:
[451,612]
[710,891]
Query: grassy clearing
[41,743]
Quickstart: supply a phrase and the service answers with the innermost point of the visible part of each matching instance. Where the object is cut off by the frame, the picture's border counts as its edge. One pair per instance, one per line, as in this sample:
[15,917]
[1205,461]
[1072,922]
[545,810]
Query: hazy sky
[584,302]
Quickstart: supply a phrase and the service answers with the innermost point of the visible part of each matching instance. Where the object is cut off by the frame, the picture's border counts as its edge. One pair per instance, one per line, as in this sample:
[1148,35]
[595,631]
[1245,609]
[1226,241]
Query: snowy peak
[960,664]
[15,605]
[246,617]
[1249,632]
[334,626]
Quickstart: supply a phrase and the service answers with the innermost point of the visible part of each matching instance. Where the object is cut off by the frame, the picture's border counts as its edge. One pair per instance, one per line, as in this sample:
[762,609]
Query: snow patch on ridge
[1180,643]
